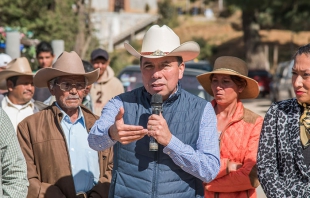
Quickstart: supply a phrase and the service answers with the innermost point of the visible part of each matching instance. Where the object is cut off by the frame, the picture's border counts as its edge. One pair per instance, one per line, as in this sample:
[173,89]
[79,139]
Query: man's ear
[9,85]
[51,88]
[181,68]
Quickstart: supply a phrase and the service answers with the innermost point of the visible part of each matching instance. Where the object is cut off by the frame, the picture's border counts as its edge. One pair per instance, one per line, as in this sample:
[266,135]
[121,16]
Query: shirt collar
[171,98]
[10,104]
[66,118]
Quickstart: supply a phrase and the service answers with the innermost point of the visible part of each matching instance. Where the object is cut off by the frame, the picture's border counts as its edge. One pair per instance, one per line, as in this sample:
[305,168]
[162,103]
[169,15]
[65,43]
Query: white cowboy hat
[162,41]
[231,66]
[17,67]
[66,64]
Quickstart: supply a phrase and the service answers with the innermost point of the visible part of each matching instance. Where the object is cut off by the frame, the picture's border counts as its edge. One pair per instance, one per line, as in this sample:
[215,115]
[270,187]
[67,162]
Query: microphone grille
[157,99]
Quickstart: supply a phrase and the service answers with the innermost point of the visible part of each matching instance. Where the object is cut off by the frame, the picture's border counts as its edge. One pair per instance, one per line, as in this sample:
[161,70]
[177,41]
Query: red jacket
[238,143]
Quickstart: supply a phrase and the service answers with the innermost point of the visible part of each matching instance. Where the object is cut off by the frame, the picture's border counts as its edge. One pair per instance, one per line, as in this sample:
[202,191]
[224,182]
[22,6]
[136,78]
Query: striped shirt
[202,163]
[13,172]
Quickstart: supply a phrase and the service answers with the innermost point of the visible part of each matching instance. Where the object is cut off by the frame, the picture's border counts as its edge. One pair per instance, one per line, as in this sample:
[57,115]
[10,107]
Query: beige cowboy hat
[231,66]
[17,67]
[68,63]
[162,41]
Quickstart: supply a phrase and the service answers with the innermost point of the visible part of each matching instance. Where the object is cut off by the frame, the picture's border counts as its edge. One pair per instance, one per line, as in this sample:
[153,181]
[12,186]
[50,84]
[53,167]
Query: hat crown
[65,61]
[20,65]
[68,63]
[231,63]
[160,38]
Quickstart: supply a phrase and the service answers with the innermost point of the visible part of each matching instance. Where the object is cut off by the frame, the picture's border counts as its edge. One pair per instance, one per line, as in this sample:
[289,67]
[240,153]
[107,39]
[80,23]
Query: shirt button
[100,145]
[182,166]
[168,152]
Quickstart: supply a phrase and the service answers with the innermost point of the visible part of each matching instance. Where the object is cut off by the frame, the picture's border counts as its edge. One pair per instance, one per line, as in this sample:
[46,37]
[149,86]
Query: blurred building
[116,21]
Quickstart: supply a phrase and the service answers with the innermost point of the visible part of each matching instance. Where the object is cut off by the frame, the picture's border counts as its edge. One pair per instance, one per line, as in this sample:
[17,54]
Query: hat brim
[188,51]
[7,74]
[44,75]
[250,91]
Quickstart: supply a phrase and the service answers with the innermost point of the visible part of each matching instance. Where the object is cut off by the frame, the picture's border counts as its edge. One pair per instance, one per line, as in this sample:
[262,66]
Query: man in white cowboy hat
[107,85]
[54,141]
[17,78]
[188,151]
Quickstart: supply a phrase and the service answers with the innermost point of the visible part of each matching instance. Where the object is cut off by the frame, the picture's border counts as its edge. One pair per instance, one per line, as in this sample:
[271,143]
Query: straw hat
[68,63]
[231,66]
[17,67]
[162,41]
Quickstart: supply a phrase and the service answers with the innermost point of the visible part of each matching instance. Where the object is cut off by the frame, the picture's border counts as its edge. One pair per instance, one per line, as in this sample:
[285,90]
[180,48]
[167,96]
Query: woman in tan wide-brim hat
[238,128]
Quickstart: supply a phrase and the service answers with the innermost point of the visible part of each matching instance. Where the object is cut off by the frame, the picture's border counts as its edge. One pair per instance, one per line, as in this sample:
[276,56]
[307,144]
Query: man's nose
[157,74]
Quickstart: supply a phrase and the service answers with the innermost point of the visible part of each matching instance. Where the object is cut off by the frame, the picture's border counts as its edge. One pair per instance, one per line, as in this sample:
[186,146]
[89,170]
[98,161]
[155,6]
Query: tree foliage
[168,12]
[48,19]
[280,14]
[206,50]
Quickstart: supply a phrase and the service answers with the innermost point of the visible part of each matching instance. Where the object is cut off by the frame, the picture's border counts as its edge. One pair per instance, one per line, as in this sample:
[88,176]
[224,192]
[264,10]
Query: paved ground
[259,106]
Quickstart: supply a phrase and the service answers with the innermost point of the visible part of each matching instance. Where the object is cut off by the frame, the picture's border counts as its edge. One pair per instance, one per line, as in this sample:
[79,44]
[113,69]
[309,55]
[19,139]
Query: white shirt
[15,112]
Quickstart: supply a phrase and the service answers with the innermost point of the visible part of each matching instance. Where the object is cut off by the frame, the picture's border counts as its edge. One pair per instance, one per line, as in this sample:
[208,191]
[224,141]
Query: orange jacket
[238,143]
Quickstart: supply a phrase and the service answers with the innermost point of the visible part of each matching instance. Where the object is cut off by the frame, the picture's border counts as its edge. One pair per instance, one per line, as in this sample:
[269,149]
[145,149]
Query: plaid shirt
[13,170]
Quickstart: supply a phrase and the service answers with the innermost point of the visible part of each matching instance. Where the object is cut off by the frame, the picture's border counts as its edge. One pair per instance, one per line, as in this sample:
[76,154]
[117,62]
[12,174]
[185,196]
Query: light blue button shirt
[84,160]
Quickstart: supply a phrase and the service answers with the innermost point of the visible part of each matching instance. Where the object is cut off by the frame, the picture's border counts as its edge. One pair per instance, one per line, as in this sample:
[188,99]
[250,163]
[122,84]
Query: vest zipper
[154,182]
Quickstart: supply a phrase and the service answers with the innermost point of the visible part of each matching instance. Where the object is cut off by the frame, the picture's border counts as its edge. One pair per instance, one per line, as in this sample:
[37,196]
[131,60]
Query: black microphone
[156,104]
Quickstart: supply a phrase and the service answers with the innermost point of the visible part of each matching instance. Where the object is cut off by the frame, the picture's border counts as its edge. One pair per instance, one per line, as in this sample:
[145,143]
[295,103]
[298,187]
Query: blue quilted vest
[140,173]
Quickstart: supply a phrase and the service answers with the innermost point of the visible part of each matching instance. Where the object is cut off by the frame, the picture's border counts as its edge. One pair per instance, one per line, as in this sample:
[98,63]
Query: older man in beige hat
[17,78]
[54,141]
[187,152]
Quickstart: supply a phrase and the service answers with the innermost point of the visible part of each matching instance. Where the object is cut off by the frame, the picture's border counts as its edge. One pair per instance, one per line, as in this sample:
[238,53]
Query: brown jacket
[49,170]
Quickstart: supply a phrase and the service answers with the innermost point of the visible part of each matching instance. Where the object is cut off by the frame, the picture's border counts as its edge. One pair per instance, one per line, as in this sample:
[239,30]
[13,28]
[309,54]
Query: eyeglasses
[66,86]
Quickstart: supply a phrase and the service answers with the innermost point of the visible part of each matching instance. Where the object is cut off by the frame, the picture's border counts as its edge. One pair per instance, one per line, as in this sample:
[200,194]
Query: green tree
[206,50]
[168,12]
[283,14]
[48,20]
[84,36]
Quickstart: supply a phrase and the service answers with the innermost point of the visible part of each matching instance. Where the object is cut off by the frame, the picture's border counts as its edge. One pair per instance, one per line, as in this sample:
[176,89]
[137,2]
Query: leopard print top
[281,168]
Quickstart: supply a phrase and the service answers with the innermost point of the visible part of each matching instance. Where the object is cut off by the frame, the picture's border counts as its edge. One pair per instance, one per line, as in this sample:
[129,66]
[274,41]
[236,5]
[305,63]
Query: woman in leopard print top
[283,167]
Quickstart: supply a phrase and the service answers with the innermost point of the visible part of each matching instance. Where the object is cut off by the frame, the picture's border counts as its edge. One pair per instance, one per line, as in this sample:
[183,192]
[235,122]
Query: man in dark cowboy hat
[188,151]
[54,141]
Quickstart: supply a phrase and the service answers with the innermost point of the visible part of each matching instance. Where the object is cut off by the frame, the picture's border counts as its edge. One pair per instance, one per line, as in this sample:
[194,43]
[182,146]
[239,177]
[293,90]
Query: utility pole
[12,44]
[220,5]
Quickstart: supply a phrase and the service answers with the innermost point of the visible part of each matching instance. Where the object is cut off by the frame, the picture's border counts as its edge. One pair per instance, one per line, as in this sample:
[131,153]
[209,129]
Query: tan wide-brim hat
[17,67]
[231,66]
[162,41]
[68,63]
